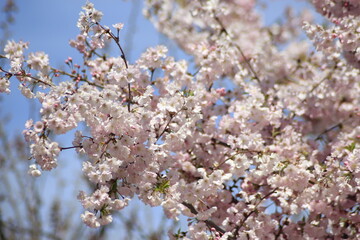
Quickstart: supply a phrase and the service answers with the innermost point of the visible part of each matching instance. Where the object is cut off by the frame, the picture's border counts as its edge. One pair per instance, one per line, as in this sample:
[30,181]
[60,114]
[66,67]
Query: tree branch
[208,223]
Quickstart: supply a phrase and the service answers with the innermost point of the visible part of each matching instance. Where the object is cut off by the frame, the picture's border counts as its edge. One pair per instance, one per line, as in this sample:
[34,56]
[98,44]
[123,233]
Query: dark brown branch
[165,128]
[223,28]
[208,223]
[117,41]
[24,75]
[252,212]
[339,125]
[65,148]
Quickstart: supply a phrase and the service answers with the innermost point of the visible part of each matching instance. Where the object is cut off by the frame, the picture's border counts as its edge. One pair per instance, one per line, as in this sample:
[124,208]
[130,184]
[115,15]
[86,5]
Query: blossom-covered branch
[240,158]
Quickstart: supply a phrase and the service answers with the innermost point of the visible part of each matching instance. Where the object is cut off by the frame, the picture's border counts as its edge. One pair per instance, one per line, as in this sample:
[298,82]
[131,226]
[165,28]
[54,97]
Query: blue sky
[49,25]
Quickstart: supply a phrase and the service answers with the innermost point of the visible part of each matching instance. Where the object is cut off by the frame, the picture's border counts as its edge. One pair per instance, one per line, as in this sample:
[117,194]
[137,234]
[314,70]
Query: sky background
[49,25]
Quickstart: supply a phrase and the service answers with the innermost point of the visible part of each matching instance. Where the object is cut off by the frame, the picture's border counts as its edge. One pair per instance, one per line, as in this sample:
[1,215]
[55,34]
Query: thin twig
[23,231]
[75,76]
[316,85]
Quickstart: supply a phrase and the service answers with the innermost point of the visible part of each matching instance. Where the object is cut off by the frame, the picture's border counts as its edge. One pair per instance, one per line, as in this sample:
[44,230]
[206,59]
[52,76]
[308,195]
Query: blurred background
[46,207]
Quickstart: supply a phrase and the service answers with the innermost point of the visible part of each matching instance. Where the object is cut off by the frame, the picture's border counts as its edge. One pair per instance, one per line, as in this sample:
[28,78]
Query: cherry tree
[257,138]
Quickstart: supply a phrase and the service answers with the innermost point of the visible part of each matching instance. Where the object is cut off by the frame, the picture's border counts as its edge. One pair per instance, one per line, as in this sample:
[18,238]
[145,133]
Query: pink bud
[221,91]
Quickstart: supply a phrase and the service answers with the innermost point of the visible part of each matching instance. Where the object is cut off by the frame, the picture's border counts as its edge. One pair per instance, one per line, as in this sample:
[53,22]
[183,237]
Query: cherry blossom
[260,141]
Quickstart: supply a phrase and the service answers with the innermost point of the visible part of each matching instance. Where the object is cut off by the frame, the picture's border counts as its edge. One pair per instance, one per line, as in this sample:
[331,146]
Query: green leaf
[162,185]
[105,210]
[351,146]
[179,234]
[188,93]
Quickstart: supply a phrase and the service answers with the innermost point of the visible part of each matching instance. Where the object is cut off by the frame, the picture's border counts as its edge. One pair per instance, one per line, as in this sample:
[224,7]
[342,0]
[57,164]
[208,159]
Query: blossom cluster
[344,37]
[261,141]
